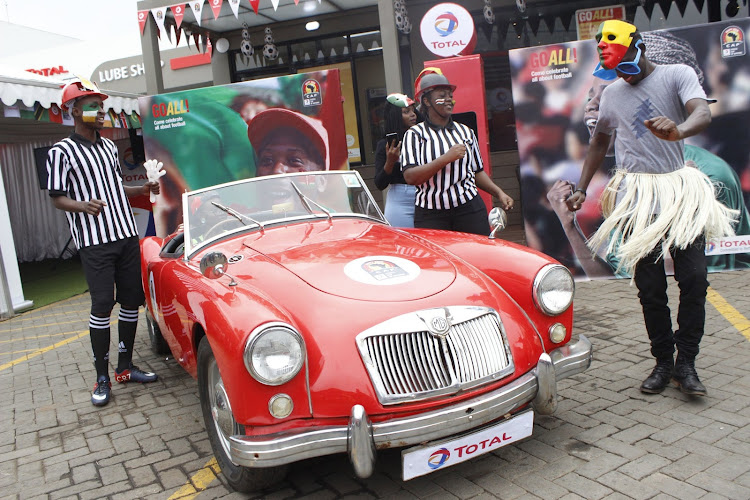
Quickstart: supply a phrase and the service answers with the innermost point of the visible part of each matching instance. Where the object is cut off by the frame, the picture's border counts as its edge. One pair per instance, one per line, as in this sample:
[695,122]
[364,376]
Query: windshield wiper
[306,202]
[234,213]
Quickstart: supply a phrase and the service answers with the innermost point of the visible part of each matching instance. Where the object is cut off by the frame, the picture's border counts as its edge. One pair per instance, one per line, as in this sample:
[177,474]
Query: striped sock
[127,326]
[99,333]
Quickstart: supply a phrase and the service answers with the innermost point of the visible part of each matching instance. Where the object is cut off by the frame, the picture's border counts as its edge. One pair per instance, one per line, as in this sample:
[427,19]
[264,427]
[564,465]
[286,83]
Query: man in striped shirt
[441,157]
[85,181]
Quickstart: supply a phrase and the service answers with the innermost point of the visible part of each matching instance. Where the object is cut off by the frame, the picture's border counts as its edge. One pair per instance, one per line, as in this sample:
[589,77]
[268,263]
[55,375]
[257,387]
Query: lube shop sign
[120,73]
[447,30]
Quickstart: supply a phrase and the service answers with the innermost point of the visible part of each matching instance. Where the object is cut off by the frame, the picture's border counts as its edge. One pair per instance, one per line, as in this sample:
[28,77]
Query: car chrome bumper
[361,437]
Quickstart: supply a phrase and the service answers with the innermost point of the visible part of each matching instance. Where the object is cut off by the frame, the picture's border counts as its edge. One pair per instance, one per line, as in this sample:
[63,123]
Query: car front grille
[435,352]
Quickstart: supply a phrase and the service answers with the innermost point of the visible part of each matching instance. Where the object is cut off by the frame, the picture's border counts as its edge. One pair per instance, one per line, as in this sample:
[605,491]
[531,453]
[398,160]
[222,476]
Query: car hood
[358,260]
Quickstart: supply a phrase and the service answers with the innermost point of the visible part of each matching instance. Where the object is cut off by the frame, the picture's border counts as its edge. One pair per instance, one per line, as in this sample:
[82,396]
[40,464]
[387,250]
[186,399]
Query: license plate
[421,460]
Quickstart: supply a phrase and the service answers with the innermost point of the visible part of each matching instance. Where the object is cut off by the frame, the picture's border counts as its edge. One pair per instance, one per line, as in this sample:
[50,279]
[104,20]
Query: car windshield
[262,202]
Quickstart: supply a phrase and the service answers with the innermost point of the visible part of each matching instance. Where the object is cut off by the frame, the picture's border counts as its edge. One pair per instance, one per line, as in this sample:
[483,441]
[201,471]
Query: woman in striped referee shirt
[441,157]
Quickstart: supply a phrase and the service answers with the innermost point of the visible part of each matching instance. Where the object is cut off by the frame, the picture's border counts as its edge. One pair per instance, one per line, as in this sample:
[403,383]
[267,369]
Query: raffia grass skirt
[672,210]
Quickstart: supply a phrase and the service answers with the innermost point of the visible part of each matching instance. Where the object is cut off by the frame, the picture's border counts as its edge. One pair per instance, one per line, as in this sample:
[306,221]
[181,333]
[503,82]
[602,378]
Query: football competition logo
[732,42]
[311,93]
[438,458]
[446,24]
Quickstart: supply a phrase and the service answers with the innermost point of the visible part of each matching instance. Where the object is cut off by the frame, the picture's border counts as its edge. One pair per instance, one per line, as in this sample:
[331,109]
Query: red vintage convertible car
[314,327]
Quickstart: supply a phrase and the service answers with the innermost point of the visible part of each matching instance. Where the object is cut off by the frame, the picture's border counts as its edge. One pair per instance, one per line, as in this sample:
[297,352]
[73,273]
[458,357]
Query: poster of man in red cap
[220,134]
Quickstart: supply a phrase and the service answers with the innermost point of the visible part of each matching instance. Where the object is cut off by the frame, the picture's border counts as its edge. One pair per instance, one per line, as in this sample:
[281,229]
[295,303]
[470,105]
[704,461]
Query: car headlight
[274,354]
[553,289]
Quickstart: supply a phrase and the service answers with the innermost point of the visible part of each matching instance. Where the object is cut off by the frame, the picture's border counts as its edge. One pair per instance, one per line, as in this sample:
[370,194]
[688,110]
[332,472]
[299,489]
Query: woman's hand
[392,154]
[456,152]
[505,201]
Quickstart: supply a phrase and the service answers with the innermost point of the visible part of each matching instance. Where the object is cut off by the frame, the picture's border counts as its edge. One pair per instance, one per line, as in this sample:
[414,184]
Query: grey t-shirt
[625,107]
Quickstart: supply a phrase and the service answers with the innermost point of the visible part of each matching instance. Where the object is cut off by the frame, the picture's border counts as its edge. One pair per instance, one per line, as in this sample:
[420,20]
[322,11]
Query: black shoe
[102,388]
[686,378]
[659,378]
[134,374]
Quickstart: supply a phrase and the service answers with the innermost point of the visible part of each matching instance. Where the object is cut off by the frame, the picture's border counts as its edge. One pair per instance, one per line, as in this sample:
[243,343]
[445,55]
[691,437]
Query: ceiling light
[312,26]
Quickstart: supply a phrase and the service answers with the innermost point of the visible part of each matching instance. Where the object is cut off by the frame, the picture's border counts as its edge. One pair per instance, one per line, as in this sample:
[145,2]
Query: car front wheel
[220,425]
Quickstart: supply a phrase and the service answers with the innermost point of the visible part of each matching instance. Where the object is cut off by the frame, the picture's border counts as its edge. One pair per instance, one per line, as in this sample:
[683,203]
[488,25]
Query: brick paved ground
[607,440]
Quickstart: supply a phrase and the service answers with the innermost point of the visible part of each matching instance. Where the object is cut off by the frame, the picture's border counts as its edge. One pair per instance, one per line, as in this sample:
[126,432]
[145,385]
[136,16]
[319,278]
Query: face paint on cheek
[89,112]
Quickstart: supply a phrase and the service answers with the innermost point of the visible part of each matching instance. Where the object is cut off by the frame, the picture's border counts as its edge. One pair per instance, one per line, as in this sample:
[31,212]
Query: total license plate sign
[422,460]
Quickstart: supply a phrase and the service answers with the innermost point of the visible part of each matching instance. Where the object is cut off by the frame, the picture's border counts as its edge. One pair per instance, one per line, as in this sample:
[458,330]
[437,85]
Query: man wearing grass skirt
[656,202]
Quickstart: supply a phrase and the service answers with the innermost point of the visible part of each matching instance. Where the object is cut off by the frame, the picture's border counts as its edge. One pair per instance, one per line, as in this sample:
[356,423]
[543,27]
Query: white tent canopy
[30,88]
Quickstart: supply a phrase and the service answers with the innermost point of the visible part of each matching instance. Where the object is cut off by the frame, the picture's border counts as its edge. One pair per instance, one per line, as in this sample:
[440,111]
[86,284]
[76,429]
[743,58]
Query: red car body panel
[295,274]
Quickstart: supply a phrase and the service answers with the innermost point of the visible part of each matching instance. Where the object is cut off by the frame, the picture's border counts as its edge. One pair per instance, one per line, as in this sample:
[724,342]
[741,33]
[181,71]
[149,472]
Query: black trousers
[471,217]
[691,276]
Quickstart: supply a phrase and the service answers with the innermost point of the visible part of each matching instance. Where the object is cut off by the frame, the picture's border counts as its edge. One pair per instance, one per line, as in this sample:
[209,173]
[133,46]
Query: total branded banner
[556,101]
[220,134]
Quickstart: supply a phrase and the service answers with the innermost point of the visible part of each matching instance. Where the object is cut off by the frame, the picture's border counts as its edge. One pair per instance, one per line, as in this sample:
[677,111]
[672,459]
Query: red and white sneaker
[134,374]
[102,389]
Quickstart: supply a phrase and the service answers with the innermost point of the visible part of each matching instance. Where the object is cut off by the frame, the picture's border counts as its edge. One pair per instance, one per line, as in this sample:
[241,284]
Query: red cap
[80,88]
[271,119]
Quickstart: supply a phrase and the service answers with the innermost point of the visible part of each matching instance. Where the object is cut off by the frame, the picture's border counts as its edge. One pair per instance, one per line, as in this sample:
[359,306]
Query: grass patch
[52,280]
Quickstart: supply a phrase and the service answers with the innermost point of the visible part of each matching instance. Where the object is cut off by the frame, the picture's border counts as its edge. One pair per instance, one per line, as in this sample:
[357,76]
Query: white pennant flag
[235,5]
[275,4]
[159,14]
[197,7]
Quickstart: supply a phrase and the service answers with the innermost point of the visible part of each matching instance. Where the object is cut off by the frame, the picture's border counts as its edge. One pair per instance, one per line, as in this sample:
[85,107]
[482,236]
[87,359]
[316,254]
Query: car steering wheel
[218,226]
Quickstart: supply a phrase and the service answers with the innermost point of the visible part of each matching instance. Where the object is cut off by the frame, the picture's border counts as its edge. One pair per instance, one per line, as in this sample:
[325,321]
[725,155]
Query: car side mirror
[214,265]
[498,220]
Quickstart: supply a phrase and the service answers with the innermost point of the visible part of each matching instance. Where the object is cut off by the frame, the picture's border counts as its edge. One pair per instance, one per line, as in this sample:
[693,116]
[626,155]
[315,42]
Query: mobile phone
[391,138]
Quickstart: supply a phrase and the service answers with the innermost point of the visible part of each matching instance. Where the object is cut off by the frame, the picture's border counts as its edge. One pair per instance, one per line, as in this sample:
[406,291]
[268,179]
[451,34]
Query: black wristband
[579,190]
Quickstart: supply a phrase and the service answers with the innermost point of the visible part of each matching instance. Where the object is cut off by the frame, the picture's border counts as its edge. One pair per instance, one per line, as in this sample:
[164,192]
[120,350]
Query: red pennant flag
[296,2]
[255,4]
[216,7]
[55,114]
[209,46]
[142,18]
[179,12]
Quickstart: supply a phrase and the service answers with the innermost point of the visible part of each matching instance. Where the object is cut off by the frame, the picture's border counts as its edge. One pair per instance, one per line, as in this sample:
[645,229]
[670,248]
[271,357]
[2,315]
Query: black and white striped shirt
[455,183]
[84,171]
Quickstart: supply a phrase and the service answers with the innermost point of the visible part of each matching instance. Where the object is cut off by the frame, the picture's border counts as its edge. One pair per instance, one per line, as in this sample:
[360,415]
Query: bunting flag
[205,44]
[296,2]
[216,7]
[159,14]
[681,6]
[255,4]
[197,40]
[55,114]
[178,11]
[235,5]
[197,7]
[142,18]
[665,6]
[209,46]
[275,4]
[177,34]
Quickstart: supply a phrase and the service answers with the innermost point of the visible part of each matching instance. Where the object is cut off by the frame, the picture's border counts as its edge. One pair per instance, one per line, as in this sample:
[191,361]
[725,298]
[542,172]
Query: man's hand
[151,188]
[558,195]
[664,128]
[92,207]
[154,172]
[575,201]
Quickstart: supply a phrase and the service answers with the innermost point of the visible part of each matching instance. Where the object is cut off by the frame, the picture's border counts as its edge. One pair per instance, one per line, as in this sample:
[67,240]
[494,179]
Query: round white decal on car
[382,270]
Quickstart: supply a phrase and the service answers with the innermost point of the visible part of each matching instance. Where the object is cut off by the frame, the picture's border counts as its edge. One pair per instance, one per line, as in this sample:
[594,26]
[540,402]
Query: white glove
[154,172]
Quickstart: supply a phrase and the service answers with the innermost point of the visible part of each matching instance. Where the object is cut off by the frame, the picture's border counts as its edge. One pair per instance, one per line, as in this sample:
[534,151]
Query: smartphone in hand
[391,139]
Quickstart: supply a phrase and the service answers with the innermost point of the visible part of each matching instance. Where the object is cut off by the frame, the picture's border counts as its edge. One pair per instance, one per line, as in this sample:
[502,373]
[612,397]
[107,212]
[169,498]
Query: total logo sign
[422,460]
[447,30]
